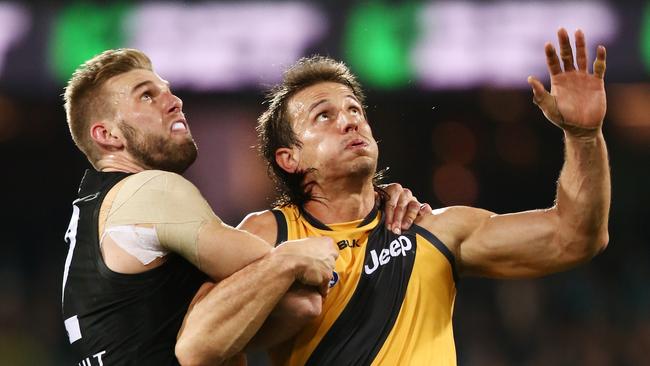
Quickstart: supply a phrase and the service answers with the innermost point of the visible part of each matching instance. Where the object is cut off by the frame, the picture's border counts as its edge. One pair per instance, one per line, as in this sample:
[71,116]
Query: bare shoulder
[453,224]
[262,224]
[452,215]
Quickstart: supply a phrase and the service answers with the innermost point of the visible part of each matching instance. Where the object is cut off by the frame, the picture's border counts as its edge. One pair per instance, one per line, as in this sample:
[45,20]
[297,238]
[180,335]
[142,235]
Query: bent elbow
[601,243]
[591,246]
[188,355]
[311,313]
[579,249]
[596,244]
[185,355]
[302,304]
[308,309]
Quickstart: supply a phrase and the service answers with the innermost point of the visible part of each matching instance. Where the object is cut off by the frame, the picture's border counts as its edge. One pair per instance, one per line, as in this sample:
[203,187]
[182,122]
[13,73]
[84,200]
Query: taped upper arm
[184,223]
[169,203]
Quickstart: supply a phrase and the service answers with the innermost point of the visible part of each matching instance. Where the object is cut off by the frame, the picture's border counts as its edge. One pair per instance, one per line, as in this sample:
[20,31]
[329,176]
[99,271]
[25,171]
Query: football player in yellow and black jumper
[392,294]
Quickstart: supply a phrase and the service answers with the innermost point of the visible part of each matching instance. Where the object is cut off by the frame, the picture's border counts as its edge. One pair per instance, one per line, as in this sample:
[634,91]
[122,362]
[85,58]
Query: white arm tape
[140,242]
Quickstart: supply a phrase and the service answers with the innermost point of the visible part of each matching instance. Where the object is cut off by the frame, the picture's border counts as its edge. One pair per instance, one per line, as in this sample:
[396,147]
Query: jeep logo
[397,247]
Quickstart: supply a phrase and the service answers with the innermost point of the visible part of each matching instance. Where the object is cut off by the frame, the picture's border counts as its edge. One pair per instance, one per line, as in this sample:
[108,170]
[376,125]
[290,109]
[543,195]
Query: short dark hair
[275,130]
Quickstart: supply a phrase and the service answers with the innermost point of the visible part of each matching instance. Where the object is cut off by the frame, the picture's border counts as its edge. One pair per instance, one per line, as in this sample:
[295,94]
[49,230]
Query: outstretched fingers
[581,51]
[552,61]
[599,63]
[566,53]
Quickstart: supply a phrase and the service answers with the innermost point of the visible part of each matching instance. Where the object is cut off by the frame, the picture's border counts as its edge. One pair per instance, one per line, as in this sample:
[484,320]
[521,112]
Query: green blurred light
[81,31]
[378,42]
[645,37]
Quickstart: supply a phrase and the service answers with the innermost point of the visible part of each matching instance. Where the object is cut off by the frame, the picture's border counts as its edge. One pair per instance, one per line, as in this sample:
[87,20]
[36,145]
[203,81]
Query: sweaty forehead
[301,102]
[124,83]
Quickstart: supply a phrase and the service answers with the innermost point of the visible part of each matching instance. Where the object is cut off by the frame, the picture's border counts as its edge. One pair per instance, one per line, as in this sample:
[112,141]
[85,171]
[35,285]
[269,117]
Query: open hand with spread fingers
[577,101]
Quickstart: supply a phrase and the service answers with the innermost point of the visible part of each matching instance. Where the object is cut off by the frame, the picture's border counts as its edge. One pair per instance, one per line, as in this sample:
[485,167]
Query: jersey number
[72,323]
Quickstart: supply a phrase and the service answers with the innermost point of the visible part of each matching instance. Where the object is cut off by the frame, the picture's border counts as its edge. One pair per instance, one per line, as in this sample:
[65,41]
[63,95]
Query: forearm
[583,194]
[221,323]
[299,306]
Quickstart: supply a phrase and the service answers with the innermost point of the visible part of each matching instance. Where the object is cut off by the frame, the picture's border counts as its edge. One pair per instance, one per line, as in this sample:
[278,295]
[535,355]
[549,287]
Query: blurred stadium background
[447,99]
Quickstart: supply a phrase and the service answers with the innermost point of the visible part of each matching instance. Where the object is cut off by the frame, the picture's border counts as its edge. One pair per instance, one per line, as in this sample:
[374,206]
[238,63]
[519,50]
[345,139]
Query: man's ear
[287,158]
[106,136]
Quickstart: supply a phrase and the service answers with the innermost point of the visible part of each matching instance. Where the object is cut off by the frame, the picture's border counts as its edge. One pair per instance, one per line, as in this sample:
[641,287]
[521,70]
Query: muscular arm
[300,305]
[252,275]
[182,222]
[539,242]
[251,278]
[224,317]
[534,243]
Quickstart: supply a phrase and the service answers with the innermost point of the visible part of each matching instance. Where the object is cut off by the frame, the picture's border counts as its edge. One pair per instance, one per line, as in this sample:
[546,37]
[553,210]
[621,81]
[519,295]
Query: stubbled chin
[363,167]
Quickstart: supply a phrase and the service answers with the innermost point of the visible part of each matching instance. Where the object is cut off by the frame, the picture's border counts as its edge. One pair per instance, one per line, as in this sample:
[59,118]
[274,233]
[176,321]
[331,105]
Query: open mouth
[179,126]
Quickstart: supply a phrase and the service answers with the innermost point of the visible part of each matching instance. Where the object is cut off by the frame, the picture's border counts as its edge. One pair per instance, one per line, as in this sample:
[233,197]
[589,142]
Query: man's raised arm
[534,243]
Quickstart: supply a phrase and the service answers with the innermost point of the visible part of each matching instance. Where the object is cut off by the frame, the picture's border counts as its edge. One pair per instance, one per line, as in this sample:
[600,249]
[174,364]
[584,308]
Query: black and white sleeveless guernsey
[119,319]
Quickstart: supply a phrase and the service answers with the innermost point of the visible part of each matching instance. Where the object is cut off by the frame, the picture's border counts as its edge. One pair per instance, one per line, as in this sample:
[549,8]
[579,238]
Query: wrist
[286,261]
[578,134]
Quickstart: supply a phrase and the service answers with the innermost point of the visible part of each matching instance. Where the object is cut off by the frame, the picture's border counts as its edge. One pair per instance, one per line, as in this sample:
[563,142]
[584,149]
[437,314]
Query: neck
[341,202]
[119,163]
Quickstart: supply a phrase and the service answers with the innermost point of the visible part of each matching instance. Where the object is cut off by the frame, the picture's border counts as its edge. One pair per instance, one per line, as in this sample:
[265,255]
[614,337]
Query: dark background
[482,145]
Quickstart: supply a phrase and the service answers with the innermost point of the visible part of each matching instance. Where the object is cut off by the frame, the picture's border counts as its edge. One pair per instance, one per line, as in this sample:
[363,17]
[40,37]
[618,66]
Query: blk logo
[346,243]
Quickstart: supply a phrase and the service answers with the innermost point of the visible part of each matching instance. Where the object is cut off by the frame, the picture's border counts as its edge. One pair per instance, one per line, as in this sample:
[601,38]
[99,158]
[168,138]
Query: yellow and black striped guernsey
[390,302]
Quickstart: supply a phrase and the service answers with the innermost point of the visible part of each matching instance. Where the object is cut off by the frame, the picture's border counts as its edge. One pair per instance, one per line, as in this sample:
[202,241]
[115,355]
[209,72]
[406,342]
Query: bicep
[185,223]
[223,250]
[518,245]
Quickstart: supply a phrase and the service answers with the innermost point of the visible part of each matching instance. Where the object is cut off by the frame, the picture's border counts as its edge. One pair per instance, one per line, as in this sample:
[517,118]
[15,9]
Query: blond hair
[84,99]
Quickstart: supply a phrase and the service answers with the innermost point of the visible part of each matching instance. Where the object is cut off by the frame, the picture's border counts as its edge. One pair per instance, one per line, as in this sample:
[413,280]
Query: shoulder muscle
[262,224]
[453,224]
